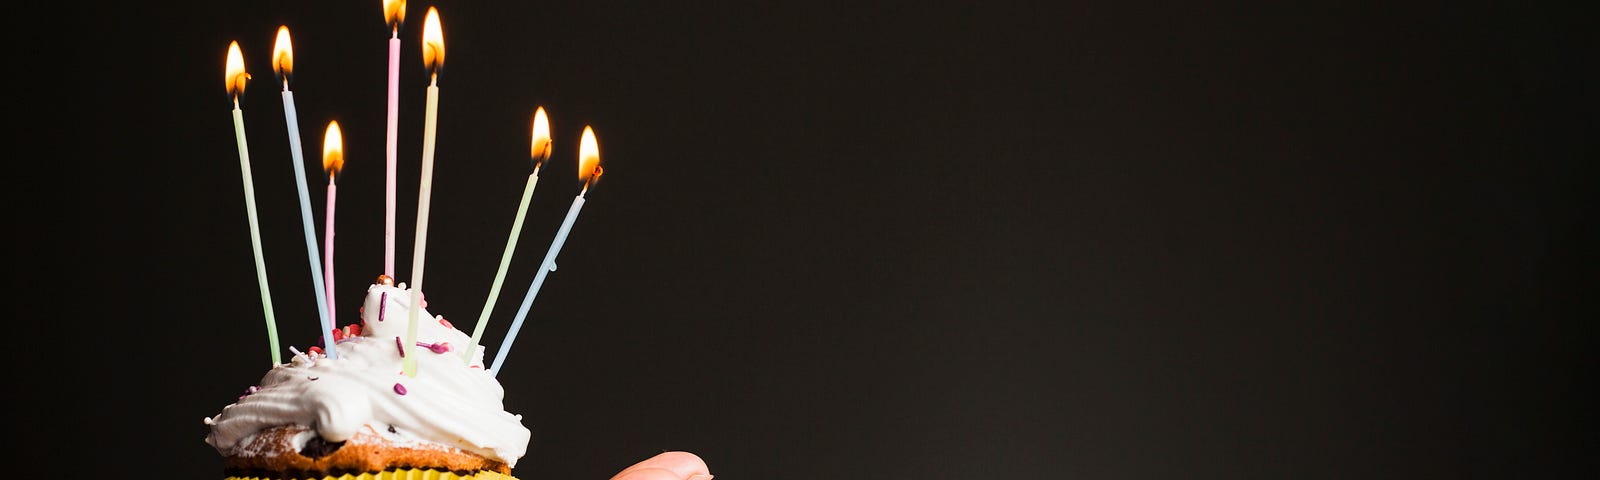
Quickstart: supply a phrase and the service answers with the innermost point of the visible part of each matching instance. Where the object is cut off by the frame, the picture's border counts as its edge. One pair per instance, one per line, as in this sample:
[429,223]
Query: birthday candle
[540,151]
[235,76]
[589,173]
[283,66]
[433,58]
[394,14]
[332,164]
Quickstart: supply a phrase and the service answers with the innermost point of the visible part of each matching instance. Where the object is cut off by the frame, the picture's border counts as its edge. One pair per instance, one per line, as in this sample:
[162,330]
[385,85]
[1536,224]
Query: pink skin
[667,466]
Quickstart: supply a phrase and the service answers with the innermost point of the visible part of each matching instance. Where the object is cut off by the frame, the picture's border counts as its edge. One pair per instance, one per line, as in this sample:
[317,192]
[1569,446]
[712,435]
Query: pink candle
[327,252]
[332,164]
[393,138]
[394,13]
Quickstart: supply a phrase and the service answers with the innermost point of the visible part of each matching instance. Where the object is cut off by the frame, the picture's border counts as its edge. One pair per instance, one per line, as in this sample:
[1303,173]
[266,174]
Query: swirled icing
[449,402]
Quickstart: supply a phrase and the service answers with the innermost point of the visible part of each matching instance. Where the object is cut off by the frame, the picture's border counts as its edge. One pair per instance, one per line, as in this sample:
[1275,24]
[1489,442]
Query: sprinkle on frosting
[400,389]
[440,347]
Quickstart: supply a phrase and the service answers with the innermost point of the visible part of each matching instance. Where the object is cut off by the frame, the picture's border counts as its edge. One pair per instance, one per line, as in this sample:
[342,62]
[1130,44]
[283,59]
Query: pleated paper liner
[404,474]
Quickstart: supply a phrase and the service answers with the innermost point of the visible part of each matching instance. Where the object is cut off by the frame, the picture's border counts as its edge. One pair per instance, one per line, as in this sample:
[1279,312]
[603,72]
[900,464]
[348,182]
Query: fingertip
[681,465]
[647,473]
[682,461]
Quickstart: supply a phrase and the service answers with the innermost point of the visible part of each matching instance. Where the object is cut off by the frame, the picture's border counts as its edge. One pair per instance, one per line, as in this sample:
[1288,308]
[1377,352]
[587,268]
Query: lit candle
[433,58]
[394,14]
[332,164]
[235,77]
[589,173]
[283,66]
[540,151]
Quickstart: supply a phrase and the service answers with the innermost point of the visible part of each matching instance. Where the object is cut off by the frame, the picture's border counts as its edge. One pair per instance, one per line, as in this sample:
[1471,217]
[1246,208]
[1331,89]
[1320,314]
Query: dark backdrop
[852,239]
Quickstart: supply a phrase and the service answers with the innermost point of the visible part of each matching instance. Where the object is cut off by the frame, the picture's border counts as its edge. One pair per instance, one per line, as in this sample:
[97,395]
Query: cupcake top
[450,402]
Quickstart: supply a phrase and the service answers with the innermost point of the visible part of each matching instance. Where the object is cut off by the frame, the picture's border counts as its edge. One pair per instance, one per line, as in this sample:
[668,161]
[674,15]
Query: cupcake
[358,415]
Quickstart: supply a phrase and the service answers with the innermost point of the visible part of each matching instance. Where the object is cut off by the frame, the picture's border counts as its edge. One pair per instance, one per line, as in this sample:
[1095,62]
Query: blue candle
[589,171]
[283,65]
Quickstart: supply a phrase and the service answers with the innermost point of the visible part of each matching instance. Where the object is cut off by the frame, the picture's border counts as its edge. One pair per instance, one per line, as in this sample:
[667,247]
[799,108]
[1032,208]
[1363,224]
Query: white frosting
[449,402]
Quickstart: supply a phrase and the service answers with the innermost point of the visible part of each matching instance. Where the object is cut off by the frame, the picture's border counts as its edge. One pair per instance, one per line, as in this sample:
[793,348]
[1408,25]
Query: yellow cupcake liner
[405,474]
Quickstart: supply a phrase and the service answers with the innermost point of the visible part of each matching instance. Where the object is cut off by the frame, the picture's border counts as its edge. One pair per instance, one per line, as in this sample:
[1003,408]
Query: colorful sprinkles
[349,332]
[400,389]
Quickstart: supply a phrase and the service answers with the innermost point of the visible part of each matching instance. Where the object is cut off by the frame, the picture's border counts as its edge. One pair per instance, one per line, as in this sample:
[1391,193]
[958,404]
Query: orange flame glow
[432,41]
[540,149]
[283,55]
[394,13]
[588,157]
[333,151]
[234,74]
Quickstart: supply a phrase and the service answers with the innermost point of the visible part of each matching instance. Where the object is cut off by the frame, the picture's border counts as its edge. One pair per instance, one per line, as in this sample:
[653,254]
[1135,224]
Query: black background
[851,239]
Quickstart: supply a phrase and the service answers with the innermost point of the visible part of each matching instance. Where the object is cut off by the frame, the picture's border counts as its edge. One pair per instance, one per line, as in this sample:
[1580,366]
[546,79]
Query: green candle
[540,152]
[235,79]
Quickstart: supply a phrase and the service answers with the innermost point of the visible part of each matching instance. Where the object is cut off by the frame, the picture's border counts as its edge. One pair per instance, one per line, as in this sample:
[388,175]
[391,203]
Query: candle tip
[394,13]
[333,151]
[283,56]
[588,158]
[541,139]
[234,74]
[432,42]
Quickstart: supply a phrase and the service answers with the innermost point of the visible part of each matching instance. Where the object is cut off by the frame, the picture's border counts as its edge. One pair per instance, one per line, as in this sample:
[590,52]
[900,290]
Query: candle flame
[432,41]
[394,13]
[333,152]
[283,56]
[541,138]
[234,75]
[588,158]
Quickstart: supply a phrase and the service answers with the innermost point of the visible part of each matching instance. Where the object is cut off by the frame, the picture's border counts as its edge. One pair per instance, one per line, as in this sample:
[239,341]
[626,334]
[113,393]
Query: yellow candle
[433,58]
